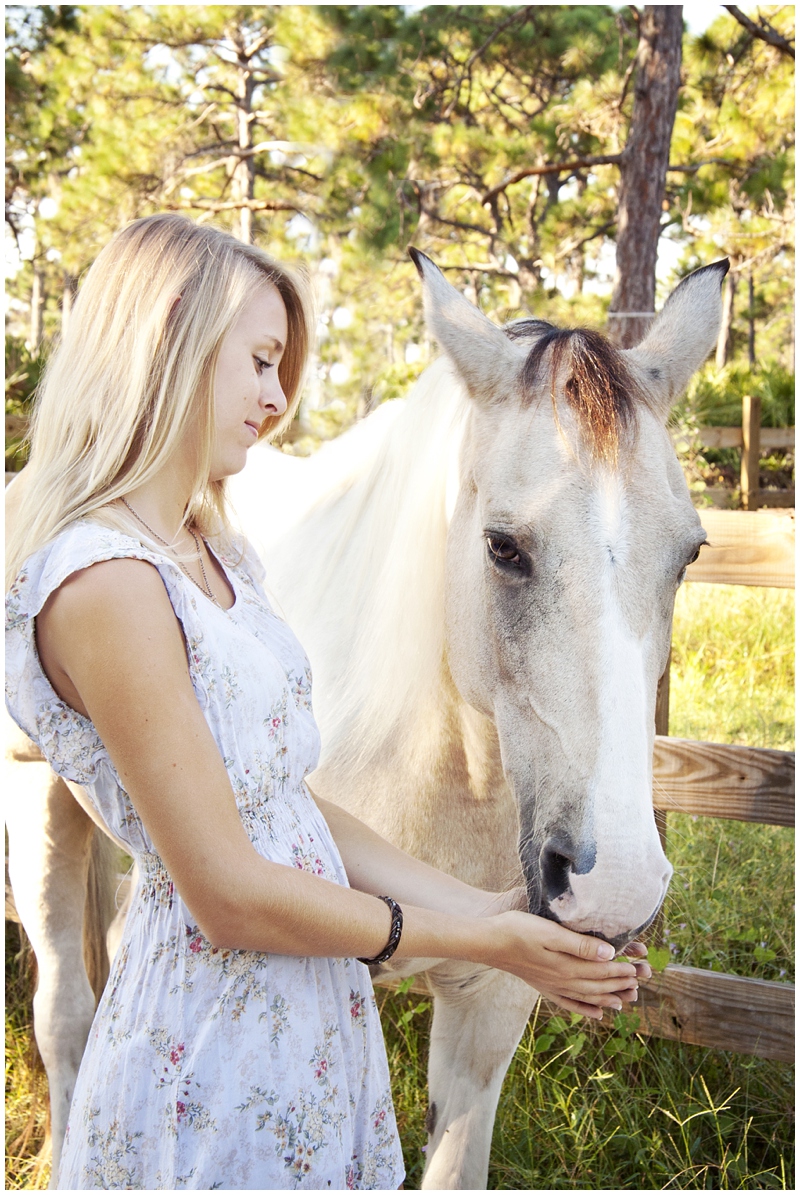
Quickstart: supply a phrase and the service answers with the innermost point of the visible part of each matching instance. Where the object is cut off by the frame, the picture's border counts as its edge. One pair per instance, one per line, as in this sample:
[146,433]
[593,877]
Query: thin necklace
[205,587]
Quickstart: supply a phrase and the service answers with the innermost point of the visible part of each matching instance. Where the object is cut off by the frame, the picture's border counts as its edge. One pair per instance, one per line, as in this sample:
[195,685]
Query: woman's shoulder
[77,546]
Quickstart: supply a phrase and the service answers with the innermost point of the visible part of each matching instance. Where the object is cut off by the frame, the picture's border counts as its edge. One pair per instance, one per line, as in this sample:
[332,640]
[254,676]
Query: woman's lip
[254,427]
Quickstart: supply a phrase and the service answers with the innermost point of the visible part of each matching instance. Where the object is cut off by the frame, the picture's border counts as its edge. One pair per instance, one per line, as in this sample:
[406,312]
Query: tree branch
[693,167]
[550,168]
[231,205]
[764,31]
[581,163]
[462,224]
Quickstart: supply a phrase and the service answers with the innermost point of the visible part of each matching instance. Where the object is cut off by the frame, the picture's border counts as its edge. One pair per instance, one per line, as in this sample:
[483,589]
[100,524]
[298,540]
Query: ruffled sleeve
[68,740]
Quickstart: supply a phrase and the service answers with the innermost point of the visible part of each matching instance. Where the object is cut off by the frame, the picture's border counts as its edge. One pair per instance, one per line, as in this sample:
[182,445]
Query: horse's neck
[434,790]
[361,576]
[362,580]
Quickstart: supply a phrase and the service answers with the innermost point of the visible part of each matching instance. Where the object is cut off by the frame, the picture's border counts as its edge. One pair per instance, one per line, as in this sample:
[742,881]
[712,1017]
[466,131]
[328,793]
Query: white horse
[483,577]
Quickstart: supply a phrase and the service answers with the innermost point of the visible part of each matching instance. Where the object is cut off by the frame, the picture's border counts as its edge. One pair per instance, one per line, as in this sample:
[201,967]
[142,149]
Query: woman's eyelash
[261,364]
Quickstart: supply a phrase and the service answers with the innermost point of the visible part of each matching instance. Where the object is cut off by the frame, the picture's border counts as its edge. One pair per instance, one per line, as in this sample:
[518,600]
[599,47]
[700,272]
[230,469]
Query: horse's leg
[50,842]
[478,1020]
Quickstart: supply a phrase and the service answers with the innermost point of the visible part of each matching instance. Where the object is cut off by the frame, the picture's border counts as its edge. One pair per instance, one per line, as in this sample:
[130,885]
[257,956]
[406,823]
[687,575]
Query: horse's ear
[681,337]
[486,360]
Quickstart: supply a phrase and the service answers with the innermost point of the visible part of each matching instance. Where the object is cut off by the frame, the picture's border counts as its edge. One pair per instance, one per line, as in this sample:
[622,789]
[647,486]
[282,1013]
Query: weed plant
[600,1107]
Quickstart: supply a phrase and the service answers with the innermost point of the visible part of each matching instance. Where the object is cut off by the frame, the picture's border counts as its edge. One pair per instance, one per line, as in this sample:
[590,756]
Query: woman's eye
[261,365]
[504,551]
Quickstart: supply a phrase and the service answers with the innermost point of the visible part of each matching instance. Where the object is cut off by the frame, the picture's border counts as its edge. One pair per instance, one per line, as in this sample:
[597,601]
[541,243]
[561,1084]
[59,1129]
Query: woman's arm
[112,647]
[374,865]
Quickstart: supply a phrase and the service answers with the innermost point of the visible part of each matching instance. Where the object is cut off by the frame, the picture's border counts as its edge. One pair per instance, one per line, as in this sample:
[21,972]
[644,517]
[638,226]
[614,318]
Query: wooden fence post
[751,449]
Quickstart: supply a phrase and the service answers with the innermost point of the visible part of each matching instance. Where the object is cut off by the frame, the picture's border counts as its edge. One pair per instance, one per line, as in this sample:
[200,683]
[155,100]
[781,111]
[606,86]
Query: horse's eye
[691,560]
[503,551]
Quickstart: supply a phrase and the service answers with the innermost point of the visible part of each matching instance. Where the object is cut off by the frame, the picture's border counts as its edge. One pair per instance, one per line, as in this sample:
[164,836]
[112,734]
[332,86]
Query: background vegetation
[336,135]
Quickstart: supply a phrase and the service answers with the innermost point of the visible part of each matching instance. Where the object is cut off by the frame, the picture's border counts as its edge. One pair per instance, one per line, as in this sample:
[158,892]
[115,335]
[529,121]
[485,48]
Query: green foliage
[732,681]
[714,396]
[375,124]
[23,371]
[26,1083]
[600,1107]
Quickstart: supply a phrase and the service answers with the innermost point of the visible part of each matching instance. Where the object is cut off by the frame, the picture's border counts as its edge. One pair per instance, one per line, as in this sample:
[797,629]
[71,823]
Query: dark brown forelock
[598,387]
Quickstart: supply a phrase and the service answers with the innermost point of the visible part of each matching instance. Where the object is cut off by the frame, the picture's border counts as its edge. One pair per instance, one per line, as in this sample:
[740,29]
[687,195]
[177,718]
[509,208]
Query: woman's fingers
[586,1010]
[566,965]
[635,950]
[581,946]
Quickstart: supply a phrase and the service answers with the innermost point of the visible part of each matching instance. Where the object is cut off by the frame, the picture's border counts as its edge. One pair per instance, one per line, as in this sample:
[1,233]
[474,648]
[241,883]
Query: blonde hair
[134,375]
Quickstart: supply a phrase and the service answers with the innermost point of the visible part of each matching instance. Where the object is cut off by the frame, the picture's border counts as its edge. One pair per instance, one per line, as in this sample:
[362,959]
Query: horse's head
[571,533]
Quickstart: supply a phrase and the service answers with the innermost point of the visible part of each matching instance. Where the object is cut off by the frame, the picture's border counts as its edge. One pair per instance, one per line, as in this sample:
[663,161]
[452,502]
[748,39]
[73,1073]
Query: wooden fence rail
[746,784]
[752,438]
[746,548]
[723,1012]
[754,784]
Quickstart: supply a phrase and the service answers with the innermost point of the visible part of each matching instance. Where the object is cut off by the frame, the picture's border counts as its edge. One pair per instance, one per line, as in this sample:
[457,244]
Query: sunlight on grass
[732,676]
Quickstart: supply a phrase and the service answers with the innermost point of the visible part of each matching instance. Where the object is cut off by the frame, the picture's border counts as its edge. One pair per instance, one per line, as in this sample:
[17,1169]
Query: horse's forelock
[598,385]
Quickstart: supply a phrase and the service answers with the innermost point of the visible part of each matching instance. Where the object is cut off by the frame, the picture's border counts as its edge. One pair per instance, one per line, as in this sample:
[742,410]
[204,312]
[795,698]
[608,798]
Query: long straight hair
[134,373]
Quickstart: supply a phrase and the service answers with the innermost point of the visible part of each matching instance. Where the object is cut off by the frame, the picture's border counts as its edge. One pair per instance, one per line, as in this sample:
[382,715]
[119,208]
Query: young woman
[237,1043]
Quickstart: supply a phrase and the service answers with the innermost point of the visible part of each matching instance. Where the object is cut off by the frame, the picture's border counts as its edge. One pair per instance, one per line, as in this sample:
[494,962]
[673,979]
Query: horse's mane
[375,605]
[598,386]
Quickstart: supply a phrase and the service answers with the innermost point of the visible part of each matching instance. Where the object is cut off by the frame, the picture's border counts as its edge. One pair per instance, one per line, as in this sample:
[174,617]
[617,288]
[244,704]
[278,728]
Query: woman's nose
[273,400]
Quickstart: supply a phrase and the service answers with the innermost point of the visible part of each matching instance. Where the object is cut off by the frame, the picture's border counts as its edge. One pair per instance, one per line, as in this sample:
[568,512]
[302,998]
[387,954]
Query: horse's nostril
[556,865]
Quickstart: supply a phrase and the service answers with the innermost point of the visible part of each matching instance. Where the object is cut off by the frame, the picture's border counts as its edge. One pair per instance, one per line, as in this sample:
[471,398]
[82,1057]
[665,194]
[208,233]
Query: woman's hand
[575,971]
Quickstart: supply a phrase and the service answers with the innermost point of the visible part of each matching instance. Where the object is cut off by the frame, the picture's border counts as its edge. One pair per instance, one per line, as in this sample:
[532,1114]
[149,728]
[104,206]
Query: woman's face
[246,386]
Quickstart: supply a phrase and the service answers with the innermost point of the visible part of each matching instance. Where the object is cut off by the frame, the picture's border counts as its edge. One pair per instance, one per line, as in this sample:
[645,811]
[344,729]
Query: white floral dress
[209,1068]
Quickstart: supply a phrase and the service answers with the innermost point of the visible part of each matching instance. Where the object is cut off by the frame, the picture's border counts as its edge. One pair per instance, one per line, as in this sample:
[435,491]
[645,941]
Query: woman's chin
[222,469]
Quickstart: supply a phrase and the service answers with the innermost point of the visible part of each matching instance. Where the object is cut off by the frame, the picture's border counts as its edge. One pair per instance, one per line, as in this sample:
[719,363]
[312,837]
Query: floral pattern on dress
[206,1067]
[114,1164]
[157,887]
[301,1130]
[306,857]
[279,1013]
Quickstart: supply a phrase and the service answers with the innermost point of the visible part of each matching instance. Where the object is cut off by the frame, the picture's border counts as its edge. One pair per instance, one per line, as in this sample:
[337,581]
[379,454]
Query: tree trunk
[751,321]
[724,338]
[643,171]
[244,176]
[67,299]
[37,306]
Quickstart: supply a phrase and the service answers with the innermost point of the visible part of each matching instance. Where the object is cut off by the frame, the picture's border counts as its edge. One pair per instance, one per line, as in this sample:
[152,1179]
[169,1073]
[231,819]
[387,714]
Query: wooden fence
[707,1008]
[751,437]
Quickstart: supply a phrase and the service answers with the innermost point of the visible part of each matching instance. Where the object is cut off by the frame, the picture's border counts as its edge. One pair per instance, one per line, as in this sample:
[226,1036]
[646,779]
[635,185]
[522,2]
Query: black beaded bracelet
[394,934]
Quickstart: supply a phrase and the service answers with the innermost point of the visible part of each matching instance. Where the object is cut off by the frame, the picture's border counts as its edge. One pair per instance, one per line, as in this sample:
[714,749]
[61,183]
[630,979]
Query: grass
[26,1084]
[599,1107]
